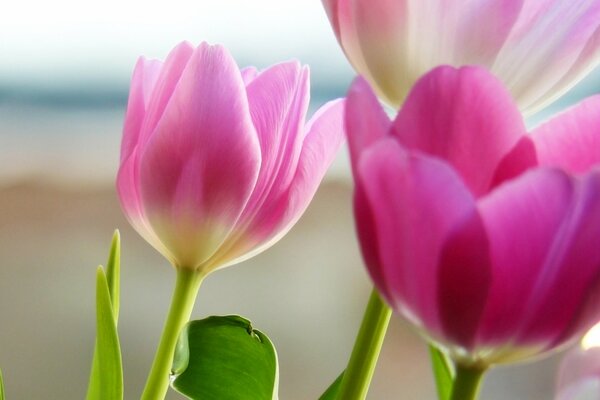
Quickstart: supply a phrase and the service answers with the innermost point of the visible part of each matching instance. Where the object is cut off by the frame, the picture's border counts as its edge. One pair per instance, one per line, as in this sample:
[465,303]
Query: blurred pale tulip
[217,164]
[482,236]
[538,48]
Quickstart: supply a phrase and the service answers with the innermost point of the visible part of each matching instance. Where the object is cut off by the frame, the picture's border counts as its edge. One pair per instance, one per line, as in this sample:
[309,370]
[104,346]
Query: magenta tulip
[484,237]
[217,163]
[538,48]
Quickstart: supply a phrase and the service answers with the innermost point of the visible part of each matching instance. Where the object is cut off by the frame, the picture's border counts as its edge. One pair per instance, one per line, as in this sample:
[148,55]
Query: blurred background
[64,72]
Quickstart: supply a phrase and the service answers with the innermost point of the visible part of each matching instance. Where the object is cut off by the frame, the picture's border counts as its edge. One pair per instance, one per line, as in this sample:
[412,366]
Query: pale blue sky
[60,41]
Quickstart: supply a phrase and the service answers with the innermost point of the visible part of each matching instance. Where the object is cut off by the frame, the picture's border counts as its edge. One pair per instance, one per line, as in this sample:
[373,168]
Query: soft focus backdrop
[64,73]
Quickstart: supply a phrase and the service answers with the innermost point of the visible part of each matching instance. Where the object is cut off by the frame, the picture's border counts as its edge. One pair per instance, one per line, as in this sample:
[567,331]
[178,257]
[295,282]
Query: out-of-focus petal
[464,116]
[365,120]
[571,140]
[539,48]
[545,45]
[542,269]
[415,201]
[579,375]
[201,163]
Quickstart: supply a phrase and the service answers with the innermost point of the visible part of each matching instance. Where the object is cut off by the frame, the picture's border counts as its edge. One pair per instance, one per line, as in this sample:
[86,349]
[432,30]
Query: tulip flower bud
[483,236]
[217,164]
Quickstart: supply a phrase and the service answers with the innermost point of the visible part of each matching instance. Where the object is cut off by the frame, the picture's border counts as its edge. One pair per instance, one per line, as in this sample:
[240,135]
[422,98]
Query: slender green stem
[358,374]
[467,383]
[182,303]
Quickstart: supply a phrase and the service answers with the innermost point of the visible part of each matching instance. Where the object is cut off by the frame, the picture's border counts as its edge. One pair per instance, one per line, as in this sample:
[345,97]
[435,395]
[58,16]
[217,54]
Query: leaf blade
[332,391]
[225,358]
[1,386]
[106,381]
[442,372]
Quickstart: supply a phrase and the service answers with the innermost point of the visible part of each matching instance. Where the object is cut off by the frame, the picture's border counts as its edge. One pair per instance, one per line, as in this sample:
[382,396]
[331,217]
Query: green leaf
[442,372]
[113,273]
[225,358]
[332,391]
[106,378]
[1,386]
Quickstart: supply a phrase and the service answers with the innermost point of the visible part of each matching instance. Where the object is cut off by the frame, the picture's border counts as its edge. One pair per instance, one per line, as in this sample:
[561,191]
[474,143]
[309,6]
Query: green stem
[467,382]
[358,374]
[182,303]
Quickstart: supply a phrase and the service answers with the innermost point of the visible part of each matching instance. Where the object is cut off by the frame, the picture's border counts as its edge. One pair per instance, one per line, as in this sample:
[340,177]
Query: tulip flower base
[225,358]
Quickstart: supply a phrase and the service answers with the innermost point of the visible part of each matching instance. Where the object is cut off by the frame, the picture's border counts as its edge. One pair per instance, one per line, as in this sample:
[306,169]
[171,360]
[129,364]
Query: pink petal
[331,8]
[143,81]
[278,100]
[464,116]
[465,274]
[285,205]
[248,74]
[571,140]
[200,165]
[164,87]
[374,37]
[543,269]
[550,40]
[415,203]
[365,120]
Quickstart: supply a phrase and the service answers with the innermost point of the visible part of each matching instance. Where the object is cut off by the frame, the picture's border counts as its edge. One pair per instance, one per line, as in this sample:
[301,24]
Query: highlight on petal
[571,140]
[164,87]
[201,164]
[143,82]
[365,120]
[416,202]
[550,41]
[464,116]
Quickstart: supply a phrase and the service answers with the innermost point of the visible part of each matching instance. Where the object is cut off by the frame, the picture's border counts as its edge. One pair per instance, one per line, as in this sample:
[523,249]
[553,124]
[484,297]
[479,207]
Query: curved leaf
[442,372]
[225,358]
[106,379]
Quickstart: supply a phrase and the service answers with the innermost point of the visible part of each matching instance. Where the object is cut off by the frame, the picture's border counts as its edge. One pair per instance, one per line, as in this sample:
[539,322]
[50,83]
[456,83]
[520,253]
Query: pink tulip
[538,48]
[217,163]
[486,238]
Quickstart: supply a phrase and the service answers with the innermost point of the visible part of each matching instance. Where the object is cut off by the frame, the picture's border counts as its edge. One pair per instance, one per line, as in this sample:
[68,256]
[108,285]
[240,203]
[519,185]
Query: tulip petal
[550,39]
[322,142]
[282,208]
[164,87]
[248,74]
[143,81]
[365,120]
[567,302]
[464,116]
[415,202]
[278,100]
[571,140]
[201,164]
[542,269]
[464,281]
